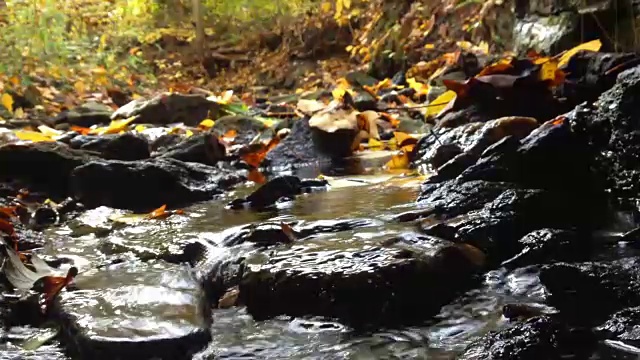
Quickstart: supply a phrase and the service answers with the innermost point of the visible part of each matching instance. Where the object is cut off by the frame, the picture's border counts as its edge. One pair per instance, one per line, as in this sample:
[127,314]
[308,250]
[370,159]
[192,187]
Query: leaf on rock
[420,88]
[49,132]
[115,127]
[594,45]
[206,124]
[157,213]
[497,68]
[34,136]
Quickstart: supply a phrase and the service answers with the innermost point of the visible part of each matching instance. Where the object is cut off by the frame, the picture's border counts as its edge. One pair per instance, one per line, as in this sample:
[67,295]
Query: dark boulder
[85,115]
[352,279]
[591,291]
[296,149]
[537,338]
[202,148]
[148,184]
[246,127]
[623,325]
[549,245]
[127,146]
[170,108]
[45,166]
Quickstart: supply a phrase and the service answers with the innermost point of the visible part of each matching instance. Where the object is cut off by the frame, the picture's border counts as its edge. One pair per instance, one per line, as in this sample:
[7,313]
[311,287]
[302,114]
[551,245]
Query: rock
[548,245]
[269,193]
[495,228]
[296,149]
[334,134]
[358,78]
[434,150]
[552,156]
[202,148]
[623,325]
[148,184]
[127,146]
[43,166]
[86,115]
[454,198]
[246,127]
[537,338]
[612,131]
[549,34]
[271,233]
[364,101]
[352,279]
[589,74]
[147,310]
[412,126]
[170,108]
[166,141]
[591,291]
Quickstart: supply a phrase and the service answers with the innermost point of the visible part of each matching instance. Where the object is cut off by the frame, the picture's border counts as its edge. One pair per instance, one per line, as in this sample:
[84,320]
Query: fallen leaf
[158,213]
[256,176]
[49,132]
[288,230]
[7,227]
[375,144]
[594,45]
[399,160]
[440,103]
[206,124]
[34,136]
[115,127]
[229,298]
[7,102]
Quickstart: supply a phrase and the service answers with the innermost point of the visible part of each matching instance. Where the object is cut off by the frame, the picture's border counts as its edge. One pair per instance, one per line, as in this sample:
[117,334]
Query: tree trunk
[198,19]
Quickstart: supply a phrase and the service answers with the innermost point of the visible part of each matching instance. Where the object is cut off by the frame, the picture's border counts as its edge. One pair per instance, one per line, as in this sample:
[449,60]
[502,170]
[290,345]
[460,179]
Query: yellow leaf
[140,128]
[398,161]
[548,70]
[28,135]
[594,45]
[49,132]
[420,88]
[7,102]
[375,144]
[206,124]
[79,87]
[429,46]
[115,127]
[438,104]
[339,6]
[346,4]
[325,7]
[188,133]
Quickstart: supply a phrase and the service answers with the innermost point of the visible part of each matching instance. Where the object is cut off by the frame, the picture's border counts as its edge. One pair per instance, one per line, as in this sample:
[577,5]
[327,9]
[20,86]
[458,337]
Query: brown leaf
[229,299]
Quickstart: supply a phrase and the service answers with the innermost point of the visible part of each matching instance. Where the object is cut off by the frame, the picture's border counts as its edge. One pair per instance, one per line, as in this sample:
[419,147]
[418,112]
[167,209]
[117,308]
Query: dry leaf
[34,136]
[594,45]
[7,102]
[440,103]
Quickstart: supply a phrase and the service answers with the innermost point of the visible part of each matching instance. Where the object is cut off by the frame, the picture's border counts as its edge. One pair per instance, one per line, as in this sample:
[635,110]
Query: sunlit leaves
[594,45]
[7,102]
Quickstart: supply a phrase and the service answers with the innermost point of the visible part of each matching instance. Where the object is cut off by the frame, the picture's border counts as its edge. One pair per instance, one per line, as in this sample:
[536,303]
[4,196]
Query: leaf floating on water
[18,274]
[288,230]
[41,337]
[594,45]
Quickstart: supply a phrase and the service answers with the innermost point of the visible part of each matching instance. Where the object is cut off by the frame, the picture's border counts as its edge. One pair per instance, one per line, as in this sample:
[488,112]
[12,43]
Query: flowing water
[93,240]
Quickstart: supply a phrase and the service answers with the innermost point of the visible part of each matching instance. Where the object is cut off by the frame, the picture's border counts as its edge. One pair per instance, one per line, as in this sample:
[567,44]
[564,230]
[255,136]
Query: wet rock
[334,135]
[148,184]
[359,78]
[412,126]
[589,74]
[146,310]
[269,193]
[165,109]
[352,279]
[590,291]
[125,146]
[623,325]
[364,101]
[453,198]
[246,127]
[612,130]
[495,228]
[434,150]
[43,166]
[548,34]
[296,149]
[537,338]
[548,245]
[165,141]
[551,157]
[202,148]
[85,115]
[272,233]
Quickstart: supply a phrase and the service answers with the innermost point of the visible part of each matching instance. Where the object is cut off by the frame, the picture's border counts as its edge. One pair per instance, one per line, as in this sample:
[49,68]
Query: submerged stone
[142,310]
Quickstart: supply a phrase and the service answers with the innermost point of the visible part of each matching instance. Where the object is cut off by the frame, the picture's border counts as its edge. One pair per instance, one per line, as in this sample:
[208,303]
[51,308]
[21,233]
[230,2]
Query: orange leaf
[157,213]
[7,227]
[230,134]
[80,130]
[256,176]
[398,161]
[403,139]
[496,68]
[54,284]
[9,212]
[288,230]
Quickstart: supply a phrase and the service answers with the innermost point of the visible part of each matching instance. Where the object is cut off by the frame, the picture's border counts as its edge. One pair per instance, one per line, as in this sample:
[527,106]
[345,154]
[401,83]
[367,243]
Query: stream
[235,335]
